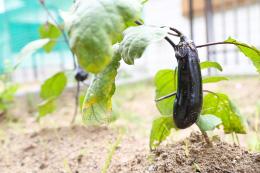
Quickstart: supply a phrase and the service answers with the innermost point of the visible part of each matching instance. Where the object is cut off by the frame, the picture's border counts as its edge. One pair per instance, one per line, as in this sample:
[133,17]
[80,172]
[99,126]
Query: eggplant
[80,75]
[189,96]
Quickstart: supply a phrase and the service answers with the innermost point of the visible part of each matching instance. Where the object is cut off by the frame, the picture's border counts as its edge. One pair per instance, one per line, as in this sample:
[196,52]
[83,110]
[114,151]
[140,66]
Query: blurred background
[202,20]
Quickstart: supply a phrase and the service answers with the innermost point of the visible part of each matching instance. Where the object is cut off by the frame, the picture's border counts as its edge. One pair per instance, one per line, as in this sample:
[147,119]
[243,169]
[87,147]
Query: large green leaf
[249,51]
[51,31]
[210,64]
[29,49]
[95,25]
[221,106]
[161,129]
[165,83]
[213,79]
[137,38]
[208,122]
[97,106]
[54,86]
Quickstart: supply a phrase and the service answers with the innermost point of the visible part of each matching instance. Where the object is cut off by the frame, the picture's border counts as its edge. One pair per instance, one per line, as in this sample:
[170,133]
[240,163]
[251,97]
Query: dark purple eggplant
[189,97]
[81,75]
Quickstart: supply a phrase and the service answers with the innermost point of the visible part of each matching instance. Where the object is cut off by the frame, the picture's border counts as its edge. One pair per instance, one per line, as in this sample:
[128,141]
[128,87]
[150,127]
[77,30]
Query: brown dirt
[68,149]
[193,155]
[53,146]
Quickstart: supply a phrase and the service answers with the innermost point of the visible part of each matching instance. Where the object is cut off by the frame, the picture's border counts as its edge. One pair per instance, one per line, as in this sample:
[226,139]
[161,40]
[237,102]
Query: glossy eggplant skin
[189,97]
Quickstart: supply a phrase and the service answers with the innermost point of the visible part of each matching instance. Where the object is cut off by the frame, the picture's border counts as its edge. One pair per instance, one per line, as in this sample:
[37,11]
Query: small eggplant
[81,75]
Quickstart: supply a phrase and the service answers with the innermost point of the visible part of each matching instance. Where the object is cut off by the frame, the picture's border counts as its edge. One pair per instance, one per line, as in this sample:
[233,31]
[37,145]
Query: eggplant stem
[165,97]
[206,137]
[219,43]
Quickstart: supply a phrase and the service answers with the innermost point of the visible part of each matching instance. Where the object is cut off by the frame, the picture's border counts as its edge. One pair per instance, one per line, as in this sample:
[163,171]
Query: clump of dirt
[193,155]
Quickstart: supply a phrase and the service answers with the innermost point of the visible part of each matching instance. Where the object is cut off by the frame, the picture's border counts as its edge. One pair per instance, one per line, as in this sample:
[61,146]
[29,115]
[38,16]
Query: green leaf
[161,129]
[137,38]
[8,94]
[54,86]
[29,49]
[213,79]
[221,106]
[208,122]
[52,32]
[164,84]
[249,51]
[97,106]
[46,107]
[95,25]
[210,64]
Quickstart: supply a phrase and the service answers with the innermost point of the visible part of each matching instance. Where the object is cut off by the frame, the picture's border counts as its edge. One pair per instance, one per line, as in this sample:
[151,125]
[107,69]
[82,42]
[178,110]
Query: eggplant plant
[104,33]
[100,45]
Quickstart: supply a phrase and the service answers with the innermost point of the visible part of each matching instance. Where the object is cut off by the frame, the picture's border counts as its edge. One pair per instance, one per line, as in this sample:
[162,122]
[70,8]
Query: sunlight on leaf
[164,84]
[221,106]
[137,38]
[213,79]
[249,51]
[51,31]
[51,89]
[161,129]
[95,25]
[46,107]
[208,122]
[29,49]
[210,64]
[54,86]
[97,106]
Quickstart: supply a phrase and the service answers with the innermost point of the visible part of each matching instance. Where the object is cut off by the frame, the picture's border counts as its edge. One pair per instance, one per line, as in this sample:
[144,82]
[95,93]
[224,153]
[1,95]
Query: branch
[76,103]
[61,30]
[165,97]
[219,43]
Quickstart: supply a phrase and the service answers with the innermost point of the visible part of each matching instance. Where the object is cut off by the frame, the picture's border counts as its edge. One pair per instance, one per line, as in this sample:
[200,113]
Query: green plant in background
[7,92]
[254,141]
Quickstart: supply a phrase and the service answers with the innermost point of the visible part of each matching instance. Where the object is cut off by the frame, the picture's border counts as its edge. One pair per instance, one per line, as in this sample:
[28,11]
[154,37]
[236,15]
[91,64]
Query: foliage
[29,49]
[50,31]
[161,129]
[220,105]
[97,36]
[249,51]
[208,122]
[51,89]
[217,108]
[7,92]
[213,79]
[165,83]
[136,39]
[210,64]
[91,37]
[97,105]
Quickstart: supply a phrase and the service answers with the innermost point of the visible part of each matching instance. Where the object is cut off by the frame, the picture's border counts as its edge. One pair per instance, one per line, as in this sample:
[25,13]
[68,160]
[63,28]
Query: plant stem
[219,43]
[112,152]
[206,137]
[62,31]
[76,103]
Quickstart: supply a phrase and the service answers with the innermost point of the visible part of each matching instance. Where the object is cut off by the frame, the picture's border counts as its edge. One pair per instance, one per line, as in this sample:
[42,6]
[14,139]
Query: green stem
[112,152]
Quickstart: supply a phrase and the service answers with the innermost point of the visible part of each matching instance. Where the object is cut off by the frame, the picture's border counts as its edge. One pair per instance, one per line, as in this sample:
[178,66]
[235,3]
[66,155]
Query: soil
[63,150]
[193,155]
[54,146]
